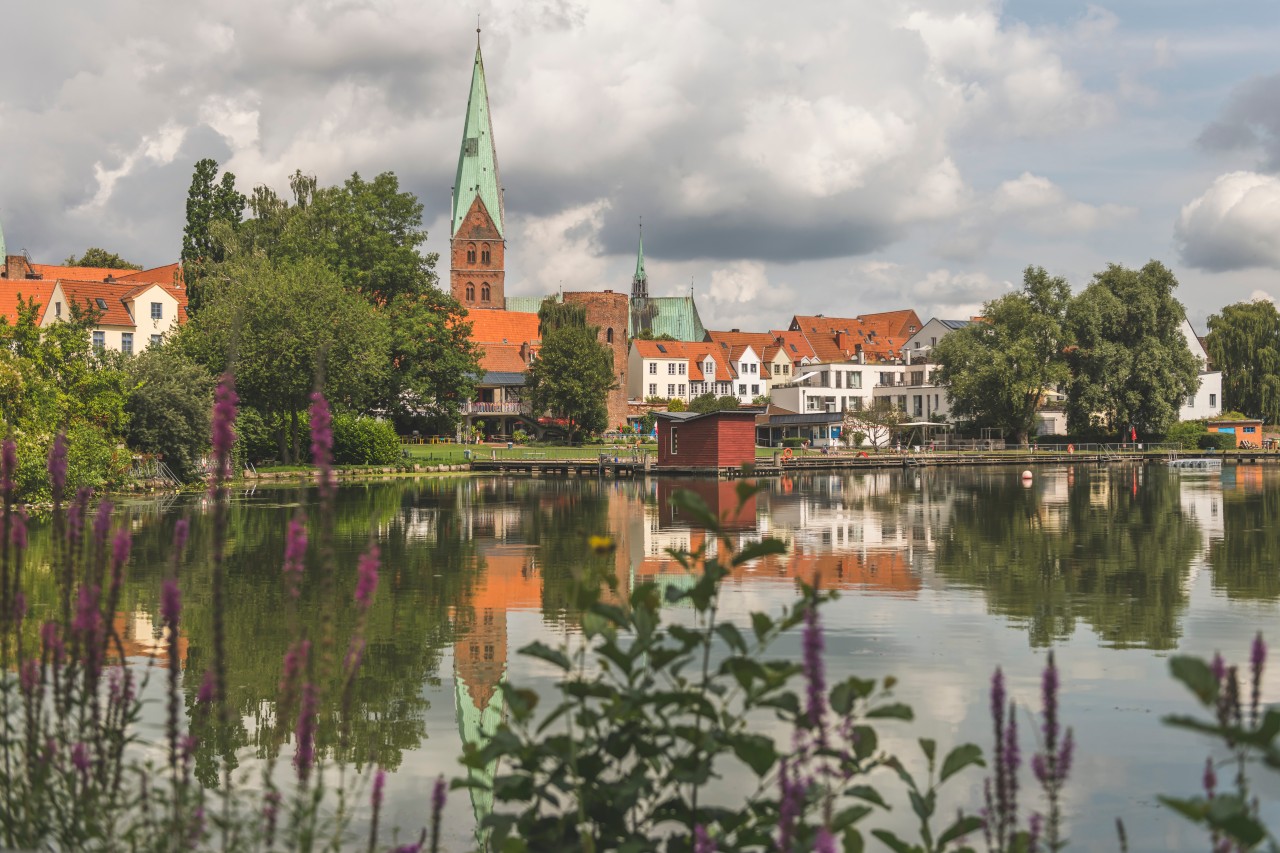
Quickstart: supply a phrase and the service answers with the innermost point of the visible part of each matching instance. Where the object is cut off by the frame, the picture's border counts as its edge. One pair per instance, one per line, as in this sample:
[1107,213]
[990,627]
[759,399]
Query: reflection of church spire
[640,282]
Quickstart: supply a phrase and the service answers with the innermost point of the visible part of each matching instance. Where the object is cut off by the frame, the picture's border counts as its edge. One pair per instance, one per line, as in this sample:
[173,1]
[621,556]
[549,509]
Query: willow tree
[1244,343]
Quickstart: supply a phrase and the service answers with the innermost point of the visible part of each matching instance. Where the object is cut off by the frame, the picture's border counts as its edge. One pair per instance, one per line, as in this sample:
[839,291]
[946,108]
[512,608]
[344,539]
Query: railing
[493,408]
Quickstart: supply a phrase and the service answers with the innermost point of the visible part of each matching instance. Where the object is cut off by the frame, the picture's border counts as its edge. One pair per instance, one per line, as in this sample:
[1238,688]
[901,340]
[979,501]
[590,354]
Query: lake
[942,574]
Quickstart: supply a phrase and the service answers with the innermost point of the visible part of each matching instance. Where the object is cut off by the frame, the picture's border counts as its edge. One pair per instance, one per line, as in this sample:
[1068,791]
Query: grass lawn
[454,454]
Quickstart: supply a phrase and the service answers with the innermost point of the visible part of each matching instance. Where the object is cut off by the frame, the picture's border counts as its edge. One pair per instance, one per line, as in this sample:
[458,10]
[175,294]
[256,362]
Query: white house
[678,370]
[1206,402]
[838,387]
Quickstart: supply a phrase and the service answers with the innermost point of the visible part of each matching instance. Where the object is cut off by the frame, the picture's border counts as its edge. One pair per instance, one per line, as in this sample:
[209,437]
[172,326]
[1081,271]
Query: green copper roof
[640,276]
[477,727]
[478,157]
[676,316]
[526,304]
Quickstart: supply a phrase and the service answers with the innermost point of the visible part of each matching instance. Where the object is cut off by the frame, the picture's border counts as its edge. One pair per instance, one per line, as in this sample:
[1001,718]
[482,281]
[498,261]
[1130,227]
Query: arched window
[608,336]
[471,293]
[485,257]
[484,292]
[471,253]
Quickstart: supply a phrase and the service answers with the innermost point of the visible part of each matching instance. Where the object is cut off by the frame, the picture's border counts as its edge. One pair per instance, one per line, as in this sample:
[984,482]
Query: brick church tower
[477,248]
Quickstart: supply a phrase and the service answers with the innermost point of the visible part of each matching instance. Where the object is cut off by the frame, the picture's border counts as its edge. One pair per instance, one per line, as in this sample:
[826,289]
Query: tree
[997,370]
[285,324]
[168,408]
[95,257]
[876,424]
[1131,366]
[573,372]
[210,202]
[368,232]
[436,363]
[1244,343]
[708,402]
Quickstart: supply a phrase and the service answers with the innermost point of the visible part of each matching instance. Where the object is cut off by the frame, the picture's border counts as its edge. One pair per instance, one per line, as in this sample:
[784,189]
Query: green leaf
[538,649]
[692,504]
[959,758]
[1197,676]
[865,742]
[929,747]
[959,829]
[848,817]
[867,793]
[761,624]
[842,698]
[731,635]
[853,842]
[755,550]
[894,711]
[756,751]
[893,842]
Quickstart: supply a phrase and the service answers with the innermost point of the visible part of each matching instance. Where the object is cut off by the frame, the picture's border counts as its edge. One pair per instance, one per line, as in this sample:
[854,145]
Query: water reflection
[469,562]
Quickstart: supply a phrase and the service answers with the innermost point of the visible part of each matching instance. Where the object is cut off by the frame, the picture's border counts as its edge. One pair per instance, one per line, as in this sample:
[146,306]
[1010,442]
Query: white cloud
[561,251]
[1261,296]
[1038,204]
[1233,225]
[741,296]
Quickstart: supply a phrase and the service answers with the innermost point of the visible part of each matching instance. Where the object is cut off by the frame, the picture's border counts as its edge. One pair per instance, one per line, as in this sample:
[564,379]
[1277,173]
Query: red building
[718,440]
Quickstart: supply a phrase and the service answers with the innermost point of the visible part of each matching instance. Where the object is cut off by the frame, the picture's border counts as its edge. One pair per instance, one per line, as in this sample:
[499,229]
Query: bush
[1217,441]
[168,408]
[359,440]
[1186,433]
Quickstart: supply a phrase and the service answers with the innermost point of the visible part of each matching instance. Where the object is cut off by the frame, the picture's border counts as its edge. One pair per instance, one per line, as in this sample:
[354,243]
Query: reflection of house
[141,638]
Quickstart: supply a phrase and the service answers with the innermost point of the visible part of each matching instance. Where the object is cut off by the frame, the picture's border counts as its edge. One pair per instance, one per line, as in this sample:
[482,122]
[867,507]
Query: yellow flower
[602,544]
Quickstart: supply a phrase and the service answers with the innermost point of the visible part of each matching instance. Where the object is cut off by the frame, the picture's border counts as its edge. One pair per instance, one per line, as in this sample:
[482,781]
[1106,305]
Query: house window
[682,391]
[471,293]
[157,311]
[156,340]
[743,367]
[1213,400]
[102,303]
[671,390]
[933,342]
[653,389]
[755,390]
[653,367]
[471,253]
[484,292]
[485,257]
[742,390]
[126,343]
[855,379]
[99,340]
[709,368]
[682,368]
[57,309]
[755,368]
[674,446]
[671,368]
[608,336]
[1250,429]
[1191,401]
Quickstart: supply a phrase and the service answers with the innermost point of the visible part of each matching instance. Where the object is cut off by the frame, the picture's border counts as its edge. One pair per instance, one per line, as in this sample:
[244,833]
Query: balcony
[493,408]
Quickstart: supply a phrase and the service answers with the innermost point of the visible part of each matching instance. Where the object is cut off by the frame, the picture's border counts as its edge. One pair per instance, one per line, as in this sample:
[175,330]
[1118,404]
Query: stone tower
[477,248]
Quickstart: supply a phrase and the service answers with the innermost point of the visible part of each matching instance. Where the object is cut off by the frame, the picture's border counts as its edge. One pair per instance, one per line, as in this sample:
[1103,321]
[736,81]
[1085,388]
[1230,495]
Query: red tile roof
[694,352]
[795,344]
[490,326]
[27,288]
[502,358]
[167,274]
[88,293]
[879,337]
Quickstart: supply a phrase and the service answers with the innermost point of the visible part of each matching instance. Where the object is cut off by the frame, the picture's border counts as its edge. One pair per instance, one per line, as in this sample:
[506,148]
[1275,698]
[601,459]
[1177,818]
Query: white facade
[917,395]
[133,318]
[1206,402]
[843,387]
[750,381]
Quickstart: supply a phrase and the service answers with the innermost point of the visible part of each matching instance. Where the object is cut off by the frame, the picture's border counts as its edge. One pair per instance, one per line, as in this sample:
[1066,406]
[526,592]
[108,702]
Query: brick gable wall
[477,233]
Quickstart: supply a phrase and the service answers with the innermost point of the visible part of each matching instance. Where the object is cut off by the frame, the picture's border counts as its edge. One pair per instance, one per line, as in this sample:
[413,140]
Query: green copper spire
[640,283]
[478,159]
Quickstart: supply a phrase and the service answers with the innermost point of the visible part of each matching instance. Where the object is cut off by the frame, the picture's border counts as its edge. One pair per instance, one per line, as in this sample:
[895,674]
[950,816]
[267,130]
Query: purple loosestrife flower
[379,781]
[80,756]
[702,842]
[29,677]
[790,801]
[1257,662]
[305,756]
[825,842]
[121,544]
[205,694]
[295,554]
[170,602]
[58,465]
[1033,832]
[51,641]
[8,464]
[1219,668]
[438,794]
[1049,695]
[181,530]
[1210,778]
[815,678]
[18,528]
[295,660]
[102,525]
[1012,761]
[87,619]
[367,577]
[322,441]
[19,607]
[270,813]
[77,513]
[224,423]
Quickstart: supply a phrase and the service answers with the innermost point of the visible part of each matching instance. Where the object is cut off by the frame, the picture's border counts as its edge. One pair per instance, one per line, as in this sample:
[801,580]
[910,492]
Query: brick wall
[467,277]
[608,311]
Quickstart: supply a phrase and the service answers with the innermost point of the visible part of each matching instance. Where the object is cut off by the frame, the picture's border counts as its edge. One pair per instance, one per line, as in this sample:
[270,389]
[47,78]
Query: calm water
[943,576]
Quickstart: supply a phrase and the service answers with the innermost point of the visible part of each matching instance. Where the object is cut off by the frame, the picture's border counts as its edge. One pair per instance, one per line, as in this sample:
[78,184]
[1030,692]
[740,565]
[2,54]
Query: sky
[821,157]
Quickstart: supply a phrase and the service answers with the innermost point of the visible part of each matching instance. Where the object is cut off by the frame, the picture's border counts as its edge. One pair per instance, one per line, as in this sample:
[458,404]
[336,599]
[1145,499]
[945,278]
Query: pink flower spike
[58,465]
[18,528]
[224,422]
[170,602]
[205,696]
[181,530]
[367,576]
[8,464]
[322,441]
[379,780]
[295,554]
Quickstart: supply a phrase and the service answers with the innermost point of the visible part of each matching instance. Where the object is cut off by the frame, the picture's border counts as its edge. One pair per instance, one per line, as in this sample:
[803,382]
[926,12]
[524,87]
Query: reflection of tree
[560,518]
[1112,557]
[428,569]
[1244,560]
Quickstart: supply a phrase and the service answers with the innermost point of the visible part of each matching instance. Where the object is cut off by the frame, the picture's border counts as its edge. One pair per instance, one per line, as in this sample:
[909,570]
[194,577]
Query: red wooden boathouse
[715,440]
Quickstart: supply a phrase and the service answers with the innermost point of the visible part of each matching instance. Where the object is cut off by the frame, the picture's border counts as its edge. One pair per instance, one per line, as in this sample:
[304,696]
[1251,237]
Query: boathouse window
[674,446]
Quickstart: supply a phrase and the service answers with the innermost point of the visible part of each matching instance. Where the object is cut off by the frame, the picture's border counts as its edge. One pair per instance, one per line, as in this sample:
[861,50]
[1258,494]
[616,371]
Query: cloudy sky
[837,157]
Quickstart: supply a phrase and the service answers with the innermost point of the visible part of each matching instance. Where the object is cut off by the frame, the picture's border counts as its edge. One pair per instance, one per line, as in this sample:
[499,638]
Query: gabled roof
[167,274]
[56,271]
[955,324]
[694,352]
[676,316]
[794,344]
[28,288]
[107,298]
[878,337]
[502,359]
[478,157]
[503,327]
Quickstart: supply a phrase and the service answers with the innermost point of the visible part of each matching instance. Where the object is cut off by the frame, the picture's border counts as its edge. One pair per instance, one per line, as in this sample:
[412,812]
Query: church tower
[640,282]
[477,248]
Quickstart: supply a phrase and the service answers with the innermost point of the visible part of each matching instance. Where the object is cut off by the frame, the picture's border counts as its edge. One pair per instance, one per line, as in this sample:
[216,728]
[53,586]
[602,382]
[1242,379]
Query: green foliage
[573,373]
[168,408]
[880,423]
[1244,343]
[1216,441]
[793,441]
[709,402]
[1131,365]
[648,422]
[436,365]
[1243,731]
[675,404]
[285,323]
[364,441]
[648,711]
[997,371]
[213,208]
[1185,433]
[95,257]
